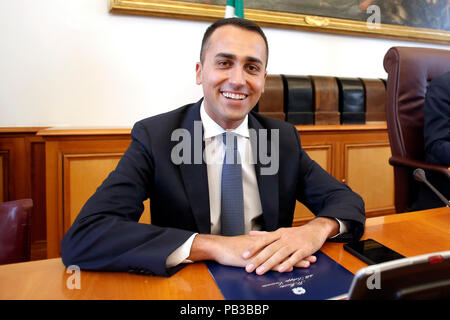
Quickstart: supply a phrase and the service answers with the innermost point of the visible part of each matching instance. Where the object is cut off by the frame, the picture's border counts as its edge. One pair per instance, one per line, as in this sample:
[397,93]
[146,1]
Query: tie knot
[230,140]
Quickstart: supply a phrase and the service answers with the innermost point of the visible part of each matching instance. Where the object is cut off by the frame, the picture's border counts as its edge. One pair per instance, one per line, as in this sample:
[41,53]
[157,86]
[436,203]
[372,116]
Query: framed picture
[415,20]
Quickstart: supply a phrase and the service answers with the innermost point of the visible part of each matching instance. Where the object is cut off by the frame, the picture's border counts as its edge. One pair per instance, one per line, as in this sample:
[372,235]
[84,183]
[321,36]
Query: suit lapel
[194,175]
[267,184]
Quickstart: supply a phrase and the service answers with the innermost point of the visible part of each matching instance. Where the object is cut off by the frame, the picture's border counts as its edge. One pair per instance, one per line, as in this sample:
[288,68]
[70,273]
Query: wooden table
[410,234]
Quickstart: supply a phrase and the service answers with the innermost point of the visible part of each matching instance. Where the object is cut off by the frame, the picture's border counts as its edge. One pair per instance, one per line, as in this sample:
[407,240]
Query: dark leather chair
[15,231]
[409,72]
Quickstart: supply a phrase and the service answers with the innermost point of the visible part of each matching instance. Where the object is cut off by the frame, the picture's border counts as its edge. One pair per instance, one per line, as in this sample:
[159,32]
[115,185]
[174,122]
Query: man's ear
[264,84]
[198,73]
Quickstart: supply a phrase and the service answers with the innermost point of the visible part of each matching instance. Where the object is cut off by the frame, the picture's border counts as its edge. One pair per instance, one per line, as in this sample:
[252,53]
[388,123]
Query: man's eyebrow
[233,57]
[225,55]
[252,59]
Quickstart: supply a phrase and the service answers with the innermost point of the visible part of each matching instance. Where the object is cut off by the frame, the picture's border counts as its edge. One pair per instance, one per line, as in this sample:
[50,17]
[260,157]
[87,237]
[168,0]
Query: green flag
[234,8]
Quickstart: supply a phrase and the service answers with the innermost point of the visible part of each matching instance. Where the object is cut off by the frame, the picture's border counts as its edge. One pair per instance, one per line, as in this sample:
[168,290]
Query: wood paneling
[322,155]
[23,176]
[77,161]
[38,220]
[367,174]
[83,174]
[358,157]
[15,158]
[3,176]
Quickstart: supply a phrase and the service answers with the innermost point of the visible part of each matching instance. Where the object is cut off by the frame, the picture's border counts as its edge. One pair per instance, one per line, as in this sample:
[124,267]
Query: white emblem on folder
[299,290]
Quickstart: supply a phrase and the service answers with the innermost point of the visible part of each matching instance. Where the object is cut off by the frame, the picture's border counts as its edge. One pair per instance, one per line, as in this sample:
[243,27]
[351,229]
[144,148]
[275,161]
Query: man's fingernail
[260,270]
[246,254]
[249,268]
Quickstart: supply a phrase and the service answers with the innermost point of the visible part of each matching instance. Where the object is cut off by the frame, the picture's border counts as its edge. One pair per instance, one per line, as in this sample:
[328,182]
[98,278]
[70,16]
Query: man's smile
[234,96]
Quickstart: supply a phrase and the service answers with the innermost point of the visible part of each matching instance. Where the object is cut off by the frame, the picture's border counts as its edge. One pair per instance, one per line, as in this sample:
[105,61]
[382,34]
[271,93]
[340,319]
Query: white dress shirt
[214,154]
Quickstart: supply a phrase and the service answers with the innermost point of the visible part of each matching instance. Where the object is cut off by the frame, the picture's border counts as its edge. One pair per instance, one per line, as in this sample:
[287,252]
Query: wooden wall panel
[83,174]
[355,147]
[23,176]
[3,177]
[367,174]
[78,150]
[39,218]
[16,160]
[322,154]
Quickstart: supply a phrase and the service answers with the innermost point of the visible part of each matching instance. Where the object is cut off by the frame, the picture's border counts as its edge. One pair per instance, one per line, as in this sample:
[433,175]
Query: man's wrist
[330,226]
[203,248]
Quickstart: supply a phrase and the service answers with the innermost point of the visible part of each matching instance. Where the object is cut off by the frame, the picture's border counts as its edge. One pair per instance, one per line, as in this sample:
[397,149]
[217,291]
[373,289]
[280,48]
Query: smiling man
[227,211]
[232,72]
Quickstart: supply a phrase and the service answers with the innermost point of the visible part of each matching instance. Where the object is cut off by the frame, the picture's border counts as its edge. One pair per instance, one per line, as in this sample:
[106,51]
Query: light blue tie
[232,201]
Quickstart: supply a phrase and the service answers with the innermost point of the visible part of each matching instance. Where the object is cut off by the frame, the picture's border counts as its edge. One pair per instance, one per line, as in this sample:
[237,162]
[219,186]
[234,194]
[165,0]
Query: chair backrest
[15,231]
[409,71]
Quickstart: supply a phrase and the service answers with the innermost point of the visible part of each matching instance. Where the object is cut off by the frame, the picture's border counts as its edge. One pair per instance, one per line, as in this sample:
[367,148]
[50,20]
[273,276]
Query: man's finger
[260,261]
[275,255]
[257,233]
[311,259]
[296,260]
[288,267]
[306,262]
[262,241]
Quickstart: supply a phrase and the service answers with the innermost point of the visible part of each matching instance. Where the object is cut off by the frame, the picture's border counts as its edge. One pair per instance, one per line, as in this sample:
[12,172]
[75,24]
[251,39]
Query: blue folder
[324,279]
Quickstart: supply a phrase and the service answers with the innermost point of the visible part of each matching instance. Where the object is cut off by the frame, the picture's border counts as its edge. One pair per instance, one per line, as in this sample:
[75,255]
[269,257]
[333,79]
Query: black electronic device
[371,251]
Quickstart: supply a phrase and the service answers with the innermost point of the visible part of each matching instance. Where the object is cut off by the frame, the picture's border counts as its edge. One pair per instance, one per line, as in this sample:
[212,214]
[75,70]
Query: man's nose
[237,76]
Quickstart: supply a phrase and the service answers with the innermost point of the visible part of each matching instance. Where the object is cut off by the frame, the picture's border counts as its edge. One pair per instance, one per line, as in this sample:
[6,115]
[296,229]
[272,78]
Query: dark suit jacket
[106,235]
[436,112]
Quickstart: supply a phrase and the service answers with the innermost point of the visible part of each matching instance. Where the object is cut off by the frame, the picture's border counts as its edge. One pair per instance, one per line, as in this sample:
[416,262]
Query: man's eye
[253,68]
[222,63]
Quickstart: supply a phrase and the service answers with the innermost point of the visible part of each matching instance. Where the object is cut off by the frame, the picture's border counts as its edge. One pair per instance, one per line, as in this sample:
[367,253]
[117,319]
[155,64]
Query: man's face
[232,74]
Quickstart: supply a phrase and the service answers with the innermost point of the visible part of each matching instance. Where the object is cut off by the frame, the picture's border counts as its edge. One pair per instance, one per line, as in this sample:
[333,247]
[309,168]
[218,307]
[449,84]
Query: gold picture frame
[208,12]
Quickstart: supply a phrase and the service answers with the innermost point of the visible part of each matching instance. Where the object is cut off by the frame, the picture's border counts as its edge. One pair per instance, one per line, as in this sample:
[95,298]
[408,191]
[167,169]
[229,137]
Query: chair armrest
[405,162]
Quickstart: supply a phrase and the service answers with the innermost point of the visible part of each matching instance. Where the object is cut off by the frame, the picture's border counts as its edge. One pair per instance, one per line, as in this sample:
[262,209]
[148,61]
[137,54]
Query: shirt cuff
[181,253]
[343,227]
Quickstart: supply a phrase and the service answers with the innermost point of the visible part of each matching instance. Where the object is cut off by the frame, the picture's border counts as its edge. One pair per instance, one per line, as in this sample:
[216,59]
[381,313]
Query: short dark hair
[238,22]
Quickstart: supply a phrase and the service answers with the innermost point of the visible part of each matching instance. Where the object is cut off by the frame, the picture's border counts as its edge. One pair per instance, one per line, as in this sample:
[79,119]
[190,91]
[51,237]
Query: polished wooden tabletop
[410,234]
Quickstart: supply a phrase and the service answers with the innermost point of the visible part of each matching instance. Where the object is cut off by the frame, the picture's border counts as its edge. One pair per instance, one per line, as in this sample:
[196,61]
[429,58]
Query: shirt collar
[212,129]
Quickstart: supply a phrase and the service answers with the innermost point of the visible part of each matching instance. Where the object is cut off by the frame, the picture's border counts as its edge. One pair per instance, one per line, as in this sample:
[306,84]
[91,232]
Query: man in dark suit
[436,112]
[187,198]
